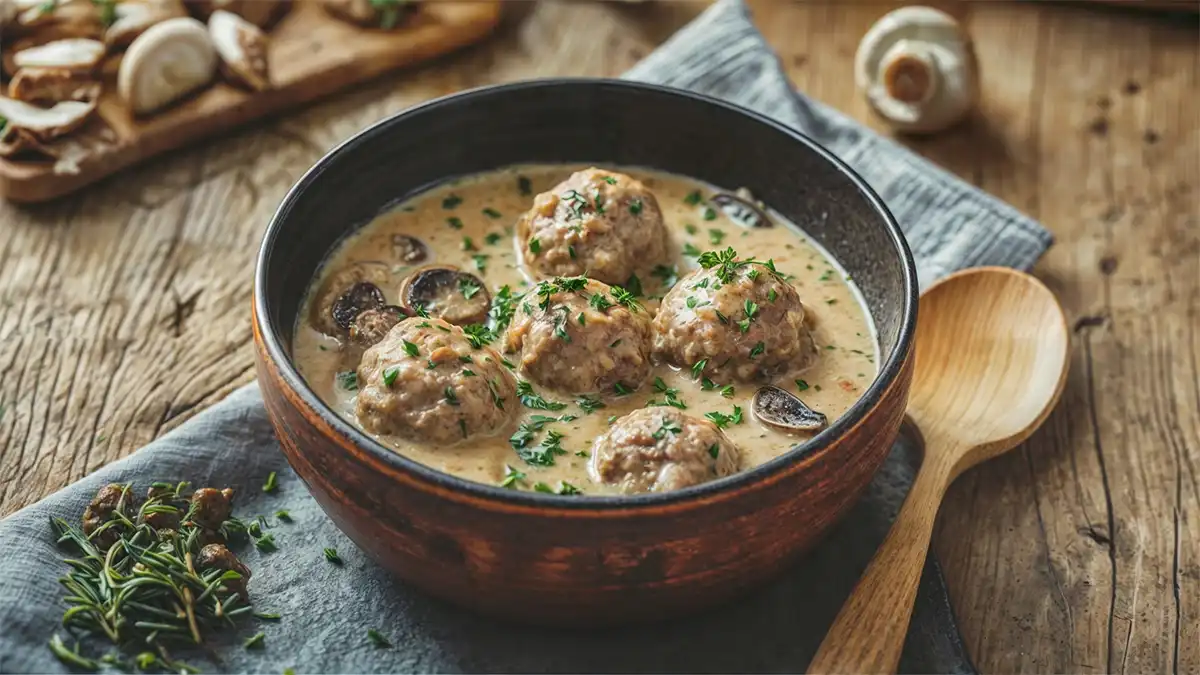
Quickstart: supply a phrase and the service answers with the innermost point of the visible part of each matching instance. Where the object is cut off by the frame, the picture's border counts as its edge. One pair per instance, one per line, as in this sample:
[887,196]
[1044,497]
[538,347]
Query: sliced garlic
[165,63]
[917,69]
[242,48]
[78,55]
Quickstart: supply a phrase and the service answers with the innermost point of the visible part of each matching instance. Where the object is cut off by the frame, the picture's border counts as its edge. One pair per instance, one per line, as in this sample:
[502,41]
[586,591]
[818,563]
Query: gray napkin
[327,609]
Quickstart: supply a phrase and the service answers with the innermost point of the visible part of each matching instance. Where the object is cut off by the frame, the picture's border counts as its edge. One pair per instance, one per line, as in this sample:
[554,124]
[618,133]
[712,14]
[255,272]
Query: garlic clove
[242,48]
[75,54]
[44,124]
[916,67]
[133,17]
[168,61]
[51,85]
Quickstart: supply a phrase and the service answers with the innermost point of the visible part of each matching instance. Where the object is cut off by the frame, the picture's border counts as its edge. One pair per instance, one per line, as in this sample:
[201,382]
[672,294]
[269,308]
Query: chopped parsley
[599,302]
[468,287]
[626,298]
[478,335]
[511,476]
[535,245]
[451,201]
[635,206]
[771,295]
[757,349]
[504,306]
[722,420]
[714,450]
[348,380]
[378,639]
[634,286]
[492,238]
[491,213]
[524,186]
[254,641]
[332,556]
[698,367]
[670,396]
[589,404]
[710,214]
[691,229]
[610,180]
[481,260]
[666,275]
[451,397]
[389,376]
[668,427]
[531,399]
[565,488]
[544,453]
[621,389]
[691,251]
[750,309]
[455,222]
[715,236]
[726,264]
[693,198]
[271,483]
[801,385]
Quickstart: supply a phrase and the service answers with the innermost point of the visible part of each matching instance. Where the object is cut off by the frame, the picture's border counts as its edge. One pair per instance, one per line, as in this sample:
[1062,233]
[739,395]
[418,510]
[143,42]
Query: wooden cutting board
[311,54]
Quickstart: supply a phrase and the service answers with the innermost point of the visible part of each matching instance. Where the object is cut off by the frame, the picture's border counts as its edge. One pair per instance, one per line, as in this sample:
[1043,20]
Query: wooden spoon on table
[991,361]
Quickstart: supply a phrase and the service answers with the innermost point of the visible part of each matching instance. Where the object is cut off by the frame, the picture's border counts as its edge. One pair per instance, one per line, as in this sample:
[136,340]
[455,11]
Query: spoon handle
[868,633]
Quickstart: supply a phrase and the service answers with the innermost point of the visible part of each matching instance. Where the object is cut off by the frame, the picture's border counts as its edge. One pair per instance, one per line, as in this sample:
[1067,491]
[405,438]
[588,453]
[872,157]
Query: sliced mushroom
[741,209]
[51,85]
[336,284]
[372,325]
[133,17]
[357,299]
[242,47]
[446,293]
[78,55]
[43,124]
[785,411]
[261,13]
[916,67]
[385,14]
[167,62]
[408,250]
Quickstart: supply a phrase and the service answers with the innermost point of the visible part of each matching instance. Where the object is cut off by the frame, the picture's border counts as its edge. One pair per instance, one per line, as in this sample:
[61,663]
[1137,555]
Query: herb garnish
[714,450]
[481,260]
[255,640]
[634,286]
[711,214]
[492,238]
[451,201]
[693,198]
[698,367]
[389,376]
[410,348]
[722,420]
[535,245]
[389,14]
[451,397]
[589,404]
[271,483]
[544,453]
[467,287]
[511,476]
[670,396]
[455,222]
[348,380]
[624,297]
[750,309]
[492,213]
[531,399]
[635,206]
[478,335]
[691,251]
[726,264]
[801,385]
[332,556]
[715,236]
[621,389]
[378,639]
[666,275]
[524,186]
[757,349]
[668,427]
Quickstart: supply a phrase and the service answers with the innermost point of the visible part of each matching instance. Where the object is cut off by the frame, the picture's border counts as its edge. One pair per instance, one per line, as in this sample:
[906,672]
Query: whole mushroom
[242,47]
[78,55]
[916,67]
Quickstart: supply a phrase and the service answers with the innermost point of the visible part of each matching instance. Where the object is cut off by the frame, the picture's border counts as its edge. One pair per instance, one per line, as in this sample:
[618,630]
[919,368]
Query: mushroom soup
[585,331]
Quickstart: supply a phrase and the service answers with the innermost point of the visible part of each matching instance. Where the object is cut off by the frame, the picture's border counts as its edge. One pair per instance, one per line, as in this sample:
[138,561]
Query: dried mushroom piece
[385,14]
[218,557]
[100,521]
[321,311]
[51,85]
[357,299]
[167,62]
[43,124]
[242,47]
[131,18]
[785,411]
[78,55]
[446,293]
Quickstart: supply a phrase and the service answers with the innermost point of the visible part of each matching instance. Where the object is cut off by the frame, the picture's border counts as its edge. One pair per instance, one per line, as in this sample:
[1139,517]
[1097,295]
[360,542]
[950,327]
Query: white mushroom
[133,17]
[165,63]
[916,66]
[242,48]
[78,55]
[51,85]
[261,13]
[43,124]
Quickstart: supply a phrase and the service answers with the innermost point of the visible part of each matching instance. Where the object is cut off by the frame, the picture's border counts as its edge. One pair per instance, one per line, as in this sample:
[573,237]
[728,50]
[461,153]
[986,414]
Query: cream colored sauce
[845,364]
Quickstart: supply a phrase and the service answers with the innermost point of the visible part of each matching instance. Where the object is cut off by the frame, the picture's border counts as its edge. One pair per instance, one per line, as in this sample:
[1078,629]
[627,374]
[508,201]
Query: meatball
[737,320]
[601,224]
[661,449]
[579,336]
[426,382]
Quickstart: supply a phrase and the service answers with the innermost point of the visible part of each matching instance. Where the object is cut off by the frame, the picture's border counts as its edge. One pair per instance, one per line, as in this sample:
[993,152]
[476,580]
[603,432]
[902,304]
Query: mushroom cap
[785,411]
[133,17]
[74,54]
[168,61]
[447,293]
[242,47]
[43,124]
[916,67]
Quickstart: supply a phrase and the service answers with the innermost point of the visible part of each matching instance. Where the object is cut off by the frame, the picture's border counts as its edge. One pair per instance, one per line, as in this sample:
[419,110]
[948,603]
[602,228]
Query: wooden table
[125,310]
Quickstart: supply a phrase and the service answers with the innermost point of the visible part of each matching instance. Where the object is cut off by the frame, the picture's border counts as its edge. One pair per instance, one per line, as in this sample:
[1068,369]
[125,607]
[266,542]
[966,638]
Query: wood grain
[311,54]
[123,309]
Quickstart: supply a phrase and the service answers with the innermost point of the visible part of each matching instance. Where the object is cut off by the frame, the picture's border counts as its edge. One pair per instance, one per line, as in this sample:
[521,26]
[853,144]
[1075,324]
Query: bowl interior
[590,121]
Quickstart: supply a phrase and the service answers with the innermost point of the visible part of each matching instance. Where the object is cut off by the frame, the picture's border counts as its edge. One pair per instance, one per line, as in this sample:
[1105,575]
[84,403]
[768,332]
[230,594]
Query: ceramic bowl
[569,560]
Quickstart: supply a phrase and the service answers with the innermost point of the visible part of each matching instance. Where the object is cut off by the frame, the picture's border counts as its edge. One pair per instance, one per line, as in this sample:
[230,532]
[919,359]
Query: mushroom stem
[909,73]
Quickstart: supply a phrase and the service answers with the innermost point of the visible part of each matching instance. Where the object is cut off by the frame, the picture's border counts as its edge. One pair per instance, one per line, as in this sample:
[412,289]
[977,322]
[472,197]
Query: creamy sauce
[468,223]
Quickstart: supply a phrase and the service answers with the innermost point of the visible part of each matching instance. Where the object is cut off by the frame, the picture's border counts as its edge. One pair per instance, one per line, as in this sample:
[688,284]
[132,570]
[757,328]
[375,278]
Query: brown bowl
[548,558]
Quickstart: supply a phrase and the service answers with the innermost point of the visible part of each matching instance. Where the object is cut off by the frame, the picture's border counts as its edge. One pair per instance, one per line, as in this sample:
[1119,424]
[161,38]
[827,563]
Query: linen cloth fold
[328,609]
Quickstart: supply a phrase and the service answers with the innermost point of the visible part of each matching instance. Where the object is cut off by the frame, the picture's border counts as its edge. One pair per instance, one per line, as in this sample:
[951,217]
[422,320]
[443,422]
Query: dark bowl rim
[273,346]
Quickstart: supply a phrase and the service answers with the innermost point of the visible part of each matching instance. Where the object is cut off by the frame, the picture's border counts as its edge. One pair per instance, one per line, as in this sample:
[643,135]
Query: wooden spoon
[991,361]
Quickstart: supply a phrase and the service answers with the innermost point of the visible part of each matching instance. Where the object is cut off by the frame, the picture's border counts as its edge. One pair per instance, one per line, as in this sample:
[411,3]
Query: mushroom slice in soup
[784,411]
[321,312]
[447,293]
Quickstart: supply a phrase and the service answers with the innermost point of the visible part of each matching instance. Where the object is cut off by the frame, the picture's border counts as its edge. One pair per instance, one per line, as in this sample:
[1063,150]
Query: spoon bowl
[991,361]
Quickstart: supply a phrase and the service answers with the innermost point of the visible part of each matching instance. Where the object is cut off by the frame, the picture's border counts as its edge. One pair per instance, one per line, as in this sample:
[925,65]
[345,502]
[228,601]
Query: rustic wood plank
[123,309]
